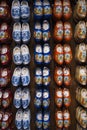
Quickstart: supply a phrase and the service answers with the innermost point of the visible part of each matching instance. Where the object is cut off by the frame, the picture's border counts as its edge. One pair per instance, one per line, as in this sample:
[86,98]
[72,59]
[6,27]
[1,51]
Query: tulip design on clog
[46,120]
[47,10]
[46,77]
[25,76]
[38,9]
[46,31]
[37,32]
[17,98]
[39,120]
[38,54]
[38,98]
[19,119]
[46,98]
[38,77]
[25,98]
[26,119]
[16,77]
[47,53]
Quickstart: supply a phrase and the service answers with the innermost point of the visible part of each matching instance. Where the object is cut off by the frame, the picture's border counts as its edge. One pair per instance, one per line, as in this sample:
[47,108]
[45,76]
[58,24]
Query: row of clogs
[42,56]
[21,34]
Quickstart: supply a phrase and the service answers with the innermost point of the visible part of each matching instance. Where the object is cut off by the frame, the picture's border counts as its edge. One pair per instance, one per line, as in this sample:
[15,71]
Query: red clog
[5,55]
[59,97]
[7,99]
[58,76]
[58,54]
[67,54]
[5,33]
[67,32]
[58,31]
[66,97]
[67,10]
[57,9]
[4,11]
[59,119]
[67,76]
[5,77]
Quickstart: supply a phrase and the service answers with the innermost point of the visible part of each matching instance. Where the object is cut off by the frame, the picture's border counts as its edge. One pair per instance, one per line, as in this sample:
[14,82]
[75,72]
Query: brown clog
[67,54]
[67,10]
[58,31]
[58,76]
[59,97]
[67,32]
[66,97]
[67,76]
[57,9]
[58,54]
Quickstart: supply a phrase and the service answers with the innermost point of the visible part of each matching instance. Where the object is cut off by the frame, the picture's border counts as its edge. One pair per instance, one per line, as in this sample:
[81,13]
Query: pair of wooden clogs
[62,119]
[62,9]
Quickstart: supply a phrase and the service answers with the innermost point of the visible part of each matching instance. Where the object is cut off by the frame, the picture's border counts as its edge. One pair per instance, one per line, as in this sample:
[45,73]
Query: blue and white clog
[17,57]
[26,34]
[26,119]
[39,118]
[16,10]
[46,120]
[38,98]
[25,98]
[25,54]
[16,77]
[18,119]
[16,34]
[46,98]
[25,76]
[17,98]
